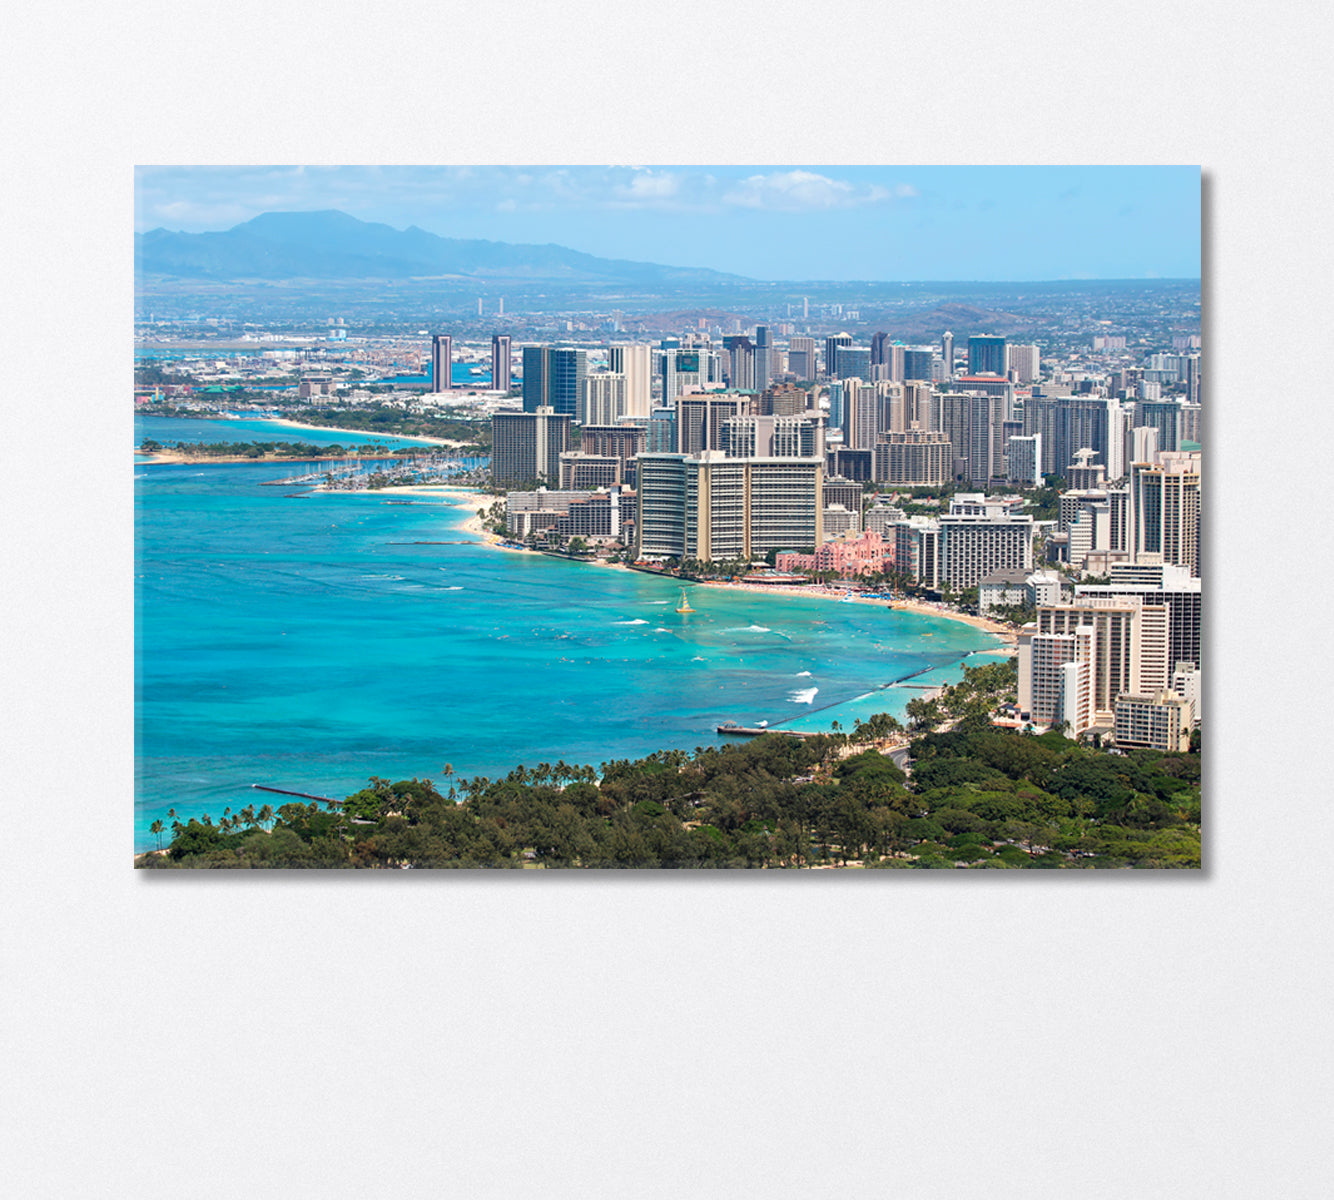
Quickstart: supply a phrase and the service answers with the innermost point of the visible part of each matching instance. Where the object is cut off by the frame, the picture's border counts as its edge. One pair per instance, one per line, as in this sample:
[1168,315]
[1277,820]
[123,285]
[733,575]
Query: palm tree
[156,828]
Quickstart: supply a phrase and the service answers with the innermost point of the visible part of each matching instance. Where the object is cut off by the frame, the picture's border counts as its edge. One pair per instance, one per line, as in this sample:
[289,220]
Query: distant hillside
[331,245]
[960,318]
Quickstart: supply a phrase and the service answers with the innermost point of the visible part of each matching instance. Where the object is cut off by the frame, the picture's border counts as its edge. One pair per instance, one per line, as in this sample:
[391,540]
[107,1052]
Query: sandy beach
[352,434]
[839,594]
[468,500]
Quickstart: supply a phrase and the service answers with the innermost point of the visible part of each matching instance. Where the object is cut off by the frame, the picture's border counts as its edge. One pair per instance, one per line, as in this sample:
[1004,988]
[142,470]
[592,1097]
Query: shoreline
[472,524]
[403,437]
[175,457]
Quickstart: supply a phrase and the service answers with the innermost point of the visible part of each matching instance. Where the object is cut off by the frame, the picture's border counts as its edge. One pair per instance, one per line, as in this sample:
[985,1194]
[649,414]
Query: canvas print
[762,517]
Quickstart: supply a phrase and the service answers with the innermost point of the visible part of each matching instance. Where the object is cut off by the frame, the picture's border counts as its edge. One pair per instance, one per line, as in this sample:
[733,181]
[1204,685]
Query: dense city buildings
[1051,471]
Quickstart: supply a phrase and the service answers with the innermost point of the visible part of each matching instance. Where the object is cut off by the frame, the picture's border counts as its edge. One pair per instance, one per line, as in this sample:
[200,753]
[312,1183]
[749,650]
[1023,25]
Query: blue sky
[766,222]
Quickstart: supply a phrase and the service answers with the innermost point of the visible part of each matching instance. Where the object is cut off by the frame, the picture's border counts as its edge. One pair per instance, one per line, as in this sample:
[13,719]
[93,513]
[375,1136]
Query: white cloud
[797,191]
[648,187]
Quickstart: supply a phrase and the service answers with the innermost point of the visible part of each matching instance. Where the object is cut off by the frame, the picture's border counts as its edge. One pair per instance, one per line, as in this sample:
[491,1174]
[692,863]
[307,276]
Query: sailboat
[684,606]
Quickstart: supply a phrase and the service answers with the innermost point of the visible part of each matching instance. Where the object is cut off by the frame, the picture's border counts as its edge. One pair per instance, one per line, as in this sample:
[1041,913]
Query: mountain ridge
[330,244]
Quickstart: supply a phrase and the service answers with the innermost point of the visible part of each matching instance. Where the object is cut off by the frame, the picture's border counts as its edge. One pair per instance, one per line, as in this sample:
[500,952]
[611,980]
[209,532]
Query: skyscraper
[851,362]
[986,355]
[526,447]
[553,377]
[442,362]
[711,507]
[801,357]
[500,362]
[831,345]
[740,352]
[1165,511]
[1025,362]
[947,353]
[916,364]
[633,360]
[764,367]
[602,398]
[700,417]
[686,368]
[1164,416]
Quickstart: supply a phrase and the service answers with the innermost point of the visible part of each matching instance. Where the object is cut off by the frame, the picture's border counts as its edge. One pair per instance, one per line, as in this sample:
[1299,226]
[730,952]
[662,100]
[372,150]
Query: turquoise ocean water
[308,641]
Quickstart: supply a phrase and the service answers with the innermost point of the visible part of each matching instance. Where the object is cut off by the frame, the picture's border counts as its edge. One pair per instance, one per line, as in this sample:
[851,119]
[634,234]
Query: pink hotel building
[862,554]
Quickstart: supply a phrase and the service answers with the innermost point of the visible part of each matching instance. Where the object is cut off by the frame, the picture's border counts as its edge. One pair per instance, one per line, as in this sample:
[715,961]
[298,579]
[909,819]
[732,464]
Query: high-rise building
[500,362]
[801,358]
[740,351]
[1025,361]
[633,360]
[764,365]
[662,437]
[580,470]
[1164,416]
[1142,444]
[947,353]
[750,436]
[916,364]
[861,415]
[831,346]
[1165,511]
[979,537]
[986,355]
[1158,720]
[526,447]
[1119,643]
[552,377]
[1170,587]
[917,550]
[1023,460]
[685,369]
[1084,474]
[601,398]
[782,400]
[920,406]
[622,441]
[1069,424]
[916,458]
[892,414]
[713,508]
[442,362]
[851,362]
[700,417]
[975,425]
[844,492]
[1192,379]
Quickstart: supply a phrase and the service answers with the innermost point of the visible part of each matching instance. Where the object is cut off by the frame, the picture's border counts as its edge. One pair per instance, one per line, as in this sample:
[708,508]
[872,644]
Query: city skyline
[899,223]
